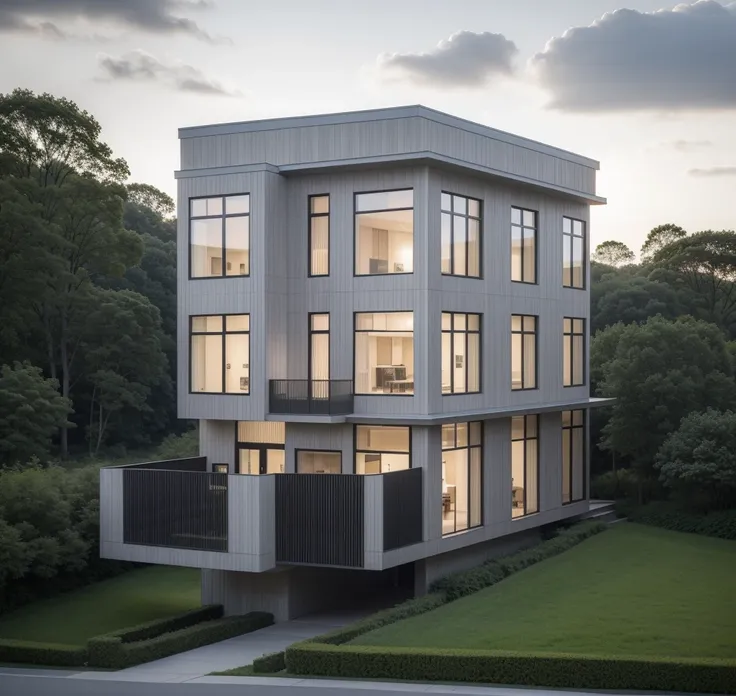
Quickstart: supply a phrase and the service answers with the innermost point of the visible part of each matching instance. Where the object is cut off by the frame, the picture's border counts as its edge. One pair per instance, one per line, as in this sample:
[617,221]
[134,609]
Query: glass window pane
[530,218]
[237,322]
[320,322]
[530,259]
[516,322]
[320,241]
[475,430]
[385,438]
[578,279]
[516,359]
[206,248]
[206,363]
[532,491]
[446,202]
[384,242]
[446,321]
[459,362]
[517,478]
[566,465]
[237,364]
[459,321]
[566,366]
[473,207]
[446,363]
[530,323]
[237,238]
[197,207]
[566,325]
[237,205]
[384,200]
[448,436]
[473,248]
[459,205]
[319,204]
[567,261]
[516,243]
[566,225]
[446,242]
[473,322]
[579,361]
[517,428]
[476,486]
[459,244]
[314,462]
[566,418]
[473,362]
[577,417]
[207,324]
[530,358]
[516,216]
[462,434]
[532,423]
[578,464]
[578,228]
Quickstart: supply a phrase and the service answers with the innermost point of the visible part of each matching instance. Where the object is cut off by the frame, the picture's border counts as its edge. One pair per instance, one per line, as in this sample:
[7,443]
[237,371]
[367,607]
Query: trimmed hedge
[111,652]
[719,523]
[46,654]
[269,664]
[497,667]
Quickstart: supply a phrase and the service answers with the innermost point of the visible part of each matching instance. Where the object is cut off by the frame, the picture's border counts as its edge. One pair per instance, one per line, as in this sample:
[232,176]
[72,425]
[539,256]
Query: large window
[573,352]
[524,465]
[380,449]
[219,354]
[460,353]
[219,236]
[523,351]
[573,253]
[318,462]
[260,447]
[319,235]
[461,245]
[319,355]
[523,245]
[573,456]
[384,232]
[462,489]
[384,353]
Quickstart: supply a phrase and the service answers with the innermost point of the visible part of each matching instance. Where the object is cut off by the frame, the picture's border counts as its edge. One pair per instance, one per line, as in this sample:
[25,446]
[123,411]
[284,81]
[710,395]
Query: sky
[645,87]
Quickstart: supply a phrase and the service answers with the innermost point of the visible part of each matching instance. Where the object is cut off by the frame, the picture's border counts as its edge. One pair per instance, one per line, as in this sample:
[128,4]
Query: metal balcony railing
[318,397]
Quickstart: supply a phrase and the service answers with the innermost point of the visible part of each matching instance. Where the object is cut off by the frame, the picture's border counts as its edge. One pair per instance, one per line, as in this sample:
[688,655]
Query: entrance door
[258,458]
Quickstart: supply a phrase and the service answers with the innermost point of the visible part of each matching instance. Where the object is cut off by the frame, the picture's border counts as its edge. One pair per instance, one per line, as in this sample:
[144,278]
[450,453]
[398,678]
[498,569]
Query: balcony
[178,513]
[315,397]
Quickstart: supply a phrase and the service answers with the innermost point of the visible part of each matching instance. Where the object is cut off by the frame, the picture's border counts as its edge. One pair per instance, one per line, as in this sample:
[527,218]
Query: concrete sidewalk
[234,652]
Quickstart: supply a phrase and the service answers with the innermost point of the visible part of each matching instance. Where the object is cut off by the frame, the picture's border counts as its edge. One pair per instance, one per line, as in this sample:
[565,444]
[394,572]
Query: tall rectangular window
[384,353]
[573,352]
[319,235]
[461,245]
[461,351]
[260,447]
[573,456]
[380,449]
[573,253]
[462,487]
[219,236]
[523,245]
[523,351]
[384,232]
[219,354]
[524,465]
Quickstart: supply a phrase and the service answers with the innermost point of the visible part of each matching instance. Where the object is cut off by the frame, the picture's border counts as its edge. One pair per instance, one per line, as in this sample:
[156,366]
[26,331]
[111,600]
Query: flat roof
[395,112]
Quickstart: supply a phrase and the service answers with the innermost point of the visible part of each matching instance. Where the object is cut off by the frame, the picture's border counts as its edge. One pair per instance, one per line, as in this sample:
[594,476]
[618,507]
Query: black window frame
[224,216]
[356,450]
[452,331]
[468,447]
[467,217]
[523,332]
[536,244]
[381,210]
[567,455]
[310,217]
[567,246]
[570,336]
[298,450]
[526,438]
[224,333]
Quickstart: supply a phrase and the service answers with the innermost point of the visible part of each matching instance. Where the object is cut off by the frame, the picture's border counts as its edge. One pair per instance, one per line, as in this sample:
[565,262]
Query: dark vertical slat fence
[180,509]
[402,508]
[316,397]
[320,519]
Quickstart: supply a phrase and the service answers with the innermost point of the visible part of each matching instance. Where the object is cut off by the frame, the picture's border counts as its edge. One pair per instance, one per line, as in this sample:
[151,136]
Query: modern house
[383,334]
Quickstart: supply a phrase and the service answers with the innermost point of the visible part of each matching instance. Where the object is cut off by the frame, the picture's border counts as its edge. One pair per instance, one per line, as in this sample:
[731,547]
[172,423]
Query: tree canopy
[613,253]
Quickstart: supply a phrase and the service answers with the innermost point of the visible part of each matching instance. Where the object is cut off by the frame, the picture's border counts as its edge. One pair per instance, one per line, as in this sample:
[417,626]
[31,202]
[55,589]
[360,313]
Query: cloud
[157,16]
[141,66]
[466,59]
[669,60]
[713,172]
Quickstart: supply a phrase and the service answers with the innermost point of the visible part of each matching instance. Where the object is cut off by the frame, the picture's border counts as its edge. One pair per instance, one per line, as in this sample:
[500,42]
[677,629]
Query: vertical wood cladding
[320,519]
[402,508]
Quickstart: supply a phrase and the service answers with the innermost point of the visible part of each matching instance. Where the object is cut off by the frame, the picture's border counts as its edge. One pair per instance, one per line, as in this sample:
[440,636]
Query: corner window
[384,232]
[380,449]
[573,456]
[462,487]
[573,253]
[573,352]
[219,236]
[523,245]
[461,353]
[461,245]
[318,462]
[523,351]
[219,354]
[524,465]
[319,235]
[384,353]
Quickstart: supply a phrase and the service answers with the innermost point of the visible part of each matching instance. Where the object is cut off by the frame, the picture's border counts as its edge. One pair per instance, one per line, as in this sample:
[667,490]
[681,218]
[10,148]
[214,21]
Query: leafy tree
[660,237]
[151,198]
[31,412]
[659,372]
[613,254]
[698,461]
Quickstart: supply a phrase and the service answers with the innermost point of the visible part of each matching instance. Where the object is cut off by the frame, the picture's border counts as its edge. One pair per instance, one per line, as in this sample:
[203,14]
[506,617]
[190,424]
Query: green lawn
[633,590]
[129,599]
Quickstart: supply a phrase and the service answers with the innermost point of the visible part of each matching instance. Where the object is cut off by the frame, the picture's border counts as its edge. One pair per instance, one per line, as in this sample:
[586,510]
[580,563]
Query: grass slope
[129,599]
[634,590]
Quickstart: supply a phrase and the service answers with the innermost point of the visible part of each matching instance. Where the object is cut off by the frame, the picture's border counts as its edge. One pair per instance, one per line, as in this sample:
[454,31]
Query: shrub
[496,667]
[614,485]
[719,523]
[155,628]
[47,654]
[111,652]
[269,664]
